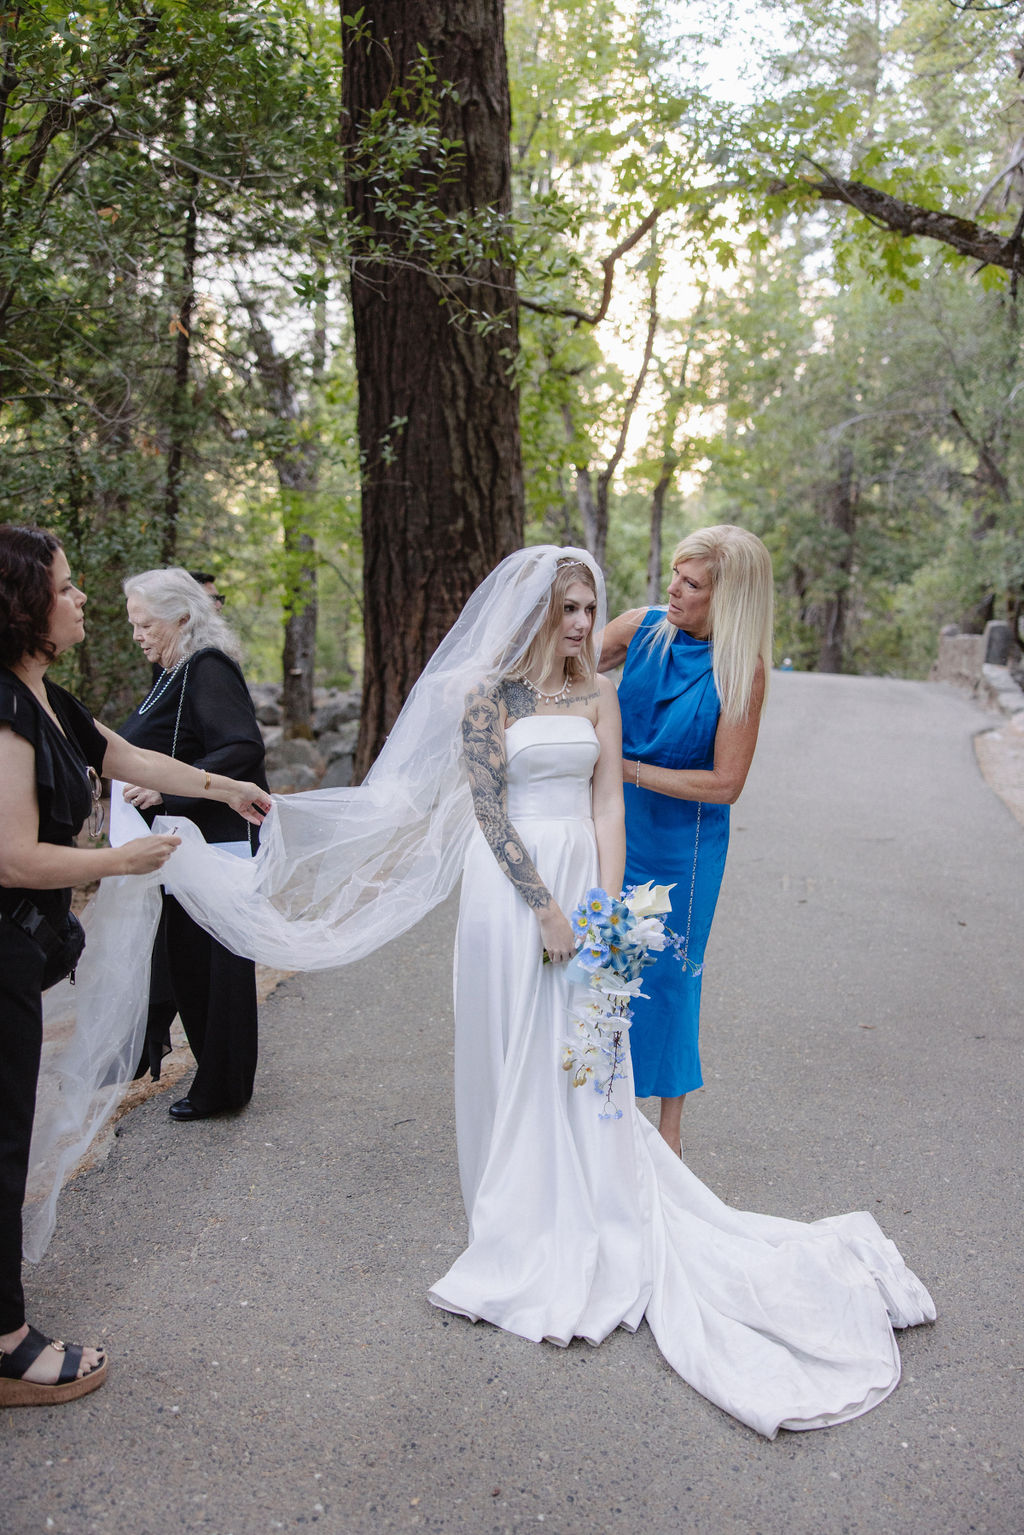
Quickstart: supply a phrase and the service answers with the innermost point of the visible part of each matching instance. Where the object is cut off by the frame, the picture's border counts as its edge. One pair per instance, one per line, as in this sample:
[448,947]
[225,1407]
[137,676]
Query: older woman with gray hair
[199,711]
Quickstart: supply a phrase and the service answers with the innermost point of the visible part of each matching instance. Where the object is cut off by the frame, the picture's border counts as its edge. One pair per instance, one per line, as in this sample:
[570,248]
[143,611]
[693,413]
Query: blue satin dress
[670,710]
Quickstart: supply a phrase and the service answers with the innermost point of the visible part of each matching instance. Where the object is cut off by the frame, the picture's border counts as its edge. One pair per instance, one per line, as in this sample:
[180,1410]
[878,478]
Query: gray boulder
[338,709]
[339,772]
[292,777]
[338,743]
[296,753]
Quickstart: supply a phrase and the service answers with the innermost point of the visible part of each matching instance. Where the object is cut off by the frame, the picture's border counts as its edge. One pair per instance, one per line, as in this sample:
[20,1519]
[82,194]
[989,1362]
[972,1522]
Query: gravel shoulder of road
[1000,754]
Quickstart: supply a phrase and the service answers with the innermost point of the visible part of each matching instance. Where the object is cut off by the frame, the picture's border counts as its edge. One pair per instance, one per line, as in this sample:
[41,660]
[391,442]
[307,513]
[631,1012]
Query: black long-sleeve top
[203,716]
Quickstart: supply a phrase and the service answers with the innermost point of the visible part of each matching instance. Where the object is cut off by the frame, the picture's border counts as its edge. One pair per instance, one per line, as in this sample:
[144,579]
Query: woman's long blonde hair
[740,617]
[540,654]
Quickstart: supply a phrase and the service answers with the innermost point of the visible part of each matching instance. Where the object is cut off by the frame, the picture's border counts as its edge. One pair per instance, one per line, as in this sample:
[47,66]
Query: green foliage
[924,405]
[155,163]
[166,169]
[804,354]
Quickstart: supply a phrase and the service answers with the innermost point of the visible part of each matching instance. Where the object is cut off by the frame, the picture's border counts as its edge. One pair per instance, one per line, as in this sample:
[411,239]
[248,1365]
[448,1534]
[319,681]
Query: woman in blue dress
[692,694]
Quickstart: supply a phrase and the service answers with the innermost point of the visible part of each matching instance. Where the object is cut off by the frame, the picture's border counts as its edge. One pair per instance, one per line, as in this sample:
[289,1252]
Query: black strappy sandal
[15,1391]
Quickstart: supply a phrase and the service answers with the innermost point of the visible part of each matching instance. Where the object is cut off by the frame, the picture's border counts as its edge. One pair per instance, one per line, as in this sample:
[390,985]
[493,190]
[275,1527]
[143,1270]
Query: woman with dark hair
[200,711]
[51,755]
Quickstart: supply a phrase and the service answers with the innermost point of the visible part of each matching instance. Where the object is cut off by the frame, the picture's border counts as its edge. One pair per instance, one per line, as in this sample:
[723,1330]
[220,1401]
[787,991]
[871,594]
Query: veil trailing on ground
[339,872]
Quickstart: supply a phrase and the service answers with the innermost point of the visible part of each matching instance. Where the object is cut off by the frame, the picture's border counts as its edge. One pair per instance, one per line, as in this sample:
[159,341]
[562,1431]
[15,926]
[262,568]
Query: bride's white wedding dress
[578,1224]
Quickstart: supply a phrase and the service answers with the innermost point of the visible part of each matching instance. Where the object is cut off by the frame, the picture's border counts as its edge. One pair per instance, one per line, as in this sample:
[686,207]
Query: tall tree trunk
[599,548]
[992,492]
[677,395]
[840,515]
[179,411]
[667,470]
[298,474]
[298,654]
[592,495]
[442,495]
[588,510]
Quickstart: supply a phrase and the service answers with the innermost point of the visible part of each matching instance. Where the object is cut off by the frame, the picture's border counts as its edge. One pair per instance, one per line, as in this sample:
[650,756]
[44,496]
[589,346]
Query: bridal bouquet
[615,940]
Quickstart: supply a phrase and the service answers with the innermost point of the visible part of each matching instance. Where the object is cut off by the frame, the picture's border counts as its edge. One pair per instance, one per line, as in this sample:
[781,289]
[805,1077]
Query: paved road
[261,1282]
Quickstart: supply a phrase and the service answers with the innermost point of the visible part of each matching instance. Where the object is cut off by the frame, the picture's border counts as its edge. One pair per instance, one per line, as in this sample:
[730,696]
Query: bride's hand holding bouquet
[616,937]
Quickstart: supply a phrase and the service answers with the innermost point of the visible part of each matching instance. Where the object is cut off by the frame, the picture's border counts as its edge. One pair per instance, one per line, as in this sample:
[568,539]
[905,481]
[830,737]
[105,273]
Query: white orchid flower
[616,989]
[649,933]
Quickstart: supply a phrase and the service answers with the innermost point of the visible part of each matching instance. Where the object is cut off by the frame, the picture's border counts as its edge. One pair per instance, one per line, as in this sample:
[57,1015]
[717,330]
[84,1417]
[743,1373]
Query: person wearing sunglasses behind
[209,584]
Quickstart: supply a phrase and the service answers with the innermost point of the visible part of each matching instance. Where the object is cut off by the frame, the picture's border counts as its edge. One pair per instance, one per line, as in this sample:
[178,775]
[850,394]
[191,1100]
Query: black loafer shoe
[186,1109]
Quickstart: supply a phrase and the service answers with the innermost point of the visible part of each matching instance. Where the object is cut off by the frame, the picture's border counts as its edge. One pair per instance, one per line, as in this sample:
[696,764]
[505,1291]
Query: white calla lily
[650,900]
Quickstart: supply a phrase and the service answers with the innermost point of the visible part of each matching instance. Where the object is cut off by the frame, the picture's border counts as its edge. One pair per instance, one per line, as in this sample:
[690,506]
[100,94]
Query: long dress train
[579,1224]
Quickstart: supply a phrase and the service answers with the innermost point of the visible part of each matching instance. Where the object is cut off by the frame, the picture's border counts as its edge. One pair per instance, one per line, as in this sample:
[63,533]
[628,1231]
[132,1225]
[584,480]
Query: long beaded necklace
[160,688]
[549,698]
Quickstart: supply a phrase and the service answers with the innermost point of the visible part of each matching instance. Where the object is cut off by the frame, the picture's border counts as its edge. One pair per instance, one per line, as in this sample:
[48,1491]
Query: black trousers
[21,1043]
[214,993]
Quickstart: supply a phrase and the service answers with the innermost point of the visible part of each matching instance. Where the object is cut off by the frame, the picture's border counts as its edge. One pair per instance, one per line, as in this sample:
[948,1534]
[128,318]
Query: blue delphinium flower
[598,902]
[593,955]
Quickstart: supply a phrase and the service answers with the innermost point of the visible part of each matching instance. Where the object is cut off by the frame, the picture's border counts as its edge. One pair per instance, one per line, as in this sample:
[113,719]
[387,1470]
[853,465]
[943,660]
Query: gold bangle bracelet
[207,780]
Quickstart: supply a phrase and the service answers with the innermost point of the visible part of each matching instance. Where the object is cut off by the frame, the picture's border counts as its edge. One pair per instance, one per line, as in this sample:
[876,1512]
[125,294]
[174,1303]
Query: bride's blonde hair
[740,617]
[539,656]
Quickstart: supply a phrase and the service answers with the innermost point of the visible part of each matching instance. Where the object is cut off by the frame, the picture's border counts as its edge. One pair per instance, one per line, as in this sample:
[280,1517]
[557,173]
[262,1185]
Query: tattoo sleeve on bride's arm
[484,750]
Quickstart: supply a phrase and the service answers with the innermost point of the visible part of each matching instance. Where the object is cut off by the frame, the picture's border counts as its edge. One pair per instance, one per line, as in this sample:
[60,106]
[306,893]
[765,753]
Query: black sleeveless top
[63,758]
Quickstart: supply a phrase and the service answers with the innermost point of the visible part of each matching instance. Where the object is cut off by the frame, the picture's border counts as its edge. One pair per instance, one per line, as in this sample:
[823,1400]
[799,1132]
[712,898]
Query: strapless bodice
[551,761]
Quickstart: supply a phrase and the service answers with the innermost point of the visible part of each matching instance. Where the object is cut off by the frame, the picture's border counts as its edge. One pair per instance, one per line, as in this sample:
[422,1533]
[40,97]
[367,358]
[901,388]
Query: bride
[579,1224]
[505,767]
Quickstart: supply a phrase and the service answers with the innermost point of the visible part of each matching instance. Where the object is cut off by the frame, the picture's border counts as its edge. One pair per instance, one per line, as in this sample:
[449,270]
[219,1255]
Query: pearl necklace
[160,687]
[549,698]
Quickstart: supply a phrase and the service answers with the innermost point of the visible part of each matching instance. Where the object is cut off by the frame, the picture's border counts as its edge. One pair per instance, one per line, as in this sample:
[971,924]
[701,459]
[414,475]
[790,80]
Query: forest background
[660,264]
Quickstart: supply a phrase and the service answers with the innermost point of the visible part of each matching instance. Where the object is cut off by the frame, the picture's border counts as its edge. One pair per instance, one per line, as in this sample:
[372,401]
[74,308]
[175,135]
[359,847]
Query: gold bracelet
[638,772]
[207,780]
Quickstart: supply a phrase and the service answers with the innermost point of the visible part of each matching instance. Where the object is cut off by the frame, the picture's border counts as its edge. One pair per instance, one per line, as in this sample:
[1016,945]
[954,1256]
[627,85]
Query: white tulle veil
[339,872]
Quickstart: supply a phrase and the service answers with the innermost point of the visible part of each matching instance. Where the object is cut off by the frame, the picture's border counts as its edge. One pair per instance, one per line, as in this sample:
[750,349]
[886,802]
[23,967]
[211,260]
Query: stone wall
[960,658]
[987,665]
